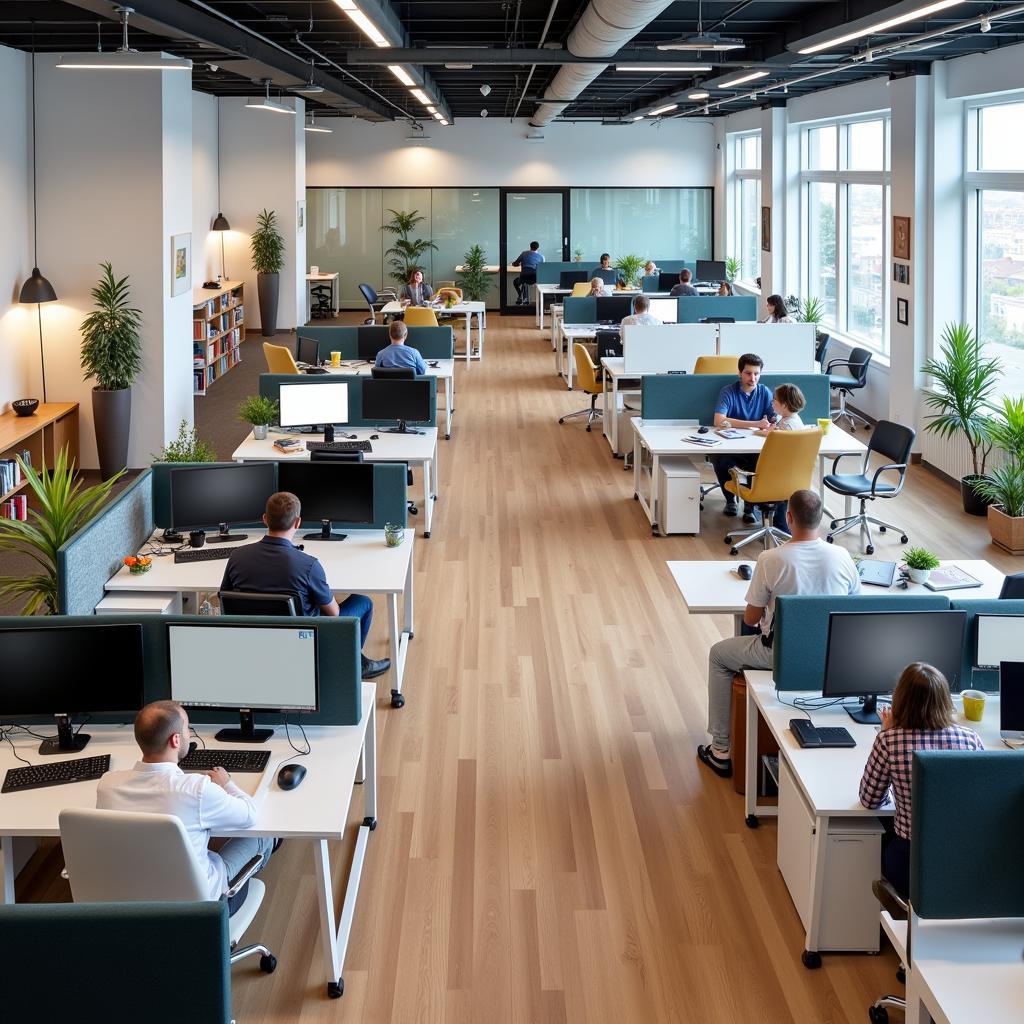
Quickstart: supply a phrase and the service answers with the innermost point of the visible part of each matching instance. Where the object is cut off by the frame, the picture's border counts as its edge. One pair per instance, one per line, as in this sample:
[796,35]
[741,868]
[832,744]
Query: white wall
[205,243]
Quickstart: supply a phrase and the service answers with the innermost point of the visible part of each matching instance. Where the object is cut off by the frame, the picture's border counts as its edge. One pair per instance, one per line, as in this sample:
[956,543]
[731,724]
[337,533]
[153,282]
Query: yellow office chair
[785,465]
[279,359]
[580,290]
[587,375]
[716,364]
[420,316]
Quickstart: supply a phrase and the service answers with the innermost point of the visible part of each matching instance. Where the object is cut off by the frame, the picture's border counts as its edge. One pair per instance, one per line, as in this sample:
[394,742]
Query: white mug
[314,271]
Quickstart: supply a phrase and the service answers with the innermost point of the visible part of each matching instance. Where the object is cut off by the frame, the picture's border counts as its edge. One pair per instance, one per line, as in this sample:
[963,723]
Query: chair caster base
[903,538]
[881,529]
[414,510]
[878,1015]
[268,963]
[830,539]
[370,822]
[561,421]
[447,437]
[588,428]
[427,534]
[336,989]
[397,700]
[636,497]
[812,961]
[752,821]
[901,976]
[655,532]
[734,551]
[870,549]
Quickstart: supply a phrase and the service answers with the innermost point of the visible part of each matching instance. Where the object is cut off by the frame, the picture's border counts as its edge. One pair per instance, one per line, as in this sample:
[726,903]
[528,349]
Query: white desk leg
[395,643]
[916,1011]
[810,957]
[653,500]
[614,434]
[637,454]
[754,810]
[7,867]
[570,359]
[449,403]
[336,293]
[427,500]
[407,602]
[481,330]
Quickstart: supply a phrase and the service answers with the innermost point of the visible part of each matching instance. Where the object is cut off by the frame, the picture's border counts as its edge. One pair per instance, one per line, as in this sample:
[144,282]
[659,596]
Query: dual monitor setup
[708,272]
[325,403]
[369,341]
[222,666]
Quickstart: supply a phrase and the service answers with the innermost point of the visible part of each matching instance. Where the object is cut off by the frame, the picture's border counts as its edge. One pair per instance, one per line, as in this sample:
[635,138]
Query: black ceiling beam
[495,55]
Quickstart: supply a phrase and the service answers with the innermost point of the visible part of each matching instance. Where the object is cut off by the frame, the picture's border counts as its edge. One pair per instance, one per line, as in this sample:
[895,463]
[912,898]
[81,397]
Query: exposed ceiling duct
[604,27]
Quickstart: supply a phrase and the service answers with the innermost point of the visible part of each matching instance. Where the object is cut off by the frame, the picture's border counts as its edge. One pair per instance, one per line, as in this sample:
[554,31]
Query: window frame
[737,175]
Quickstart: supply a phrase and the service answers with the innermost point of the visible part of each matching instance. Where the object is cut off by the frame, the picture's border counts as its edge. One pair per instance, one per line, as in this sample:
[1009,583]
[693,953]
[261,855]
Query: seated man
[640,314]
[529,260]
[275,565]
[397,354]
[684,287]
[202,801]
[804,565]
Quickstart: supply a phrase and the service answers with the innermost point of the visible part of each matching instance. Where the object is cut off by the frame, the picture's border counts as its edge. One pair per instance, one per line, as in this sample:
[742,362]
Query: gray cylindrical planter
[259,431]
[112,415]
[267,287]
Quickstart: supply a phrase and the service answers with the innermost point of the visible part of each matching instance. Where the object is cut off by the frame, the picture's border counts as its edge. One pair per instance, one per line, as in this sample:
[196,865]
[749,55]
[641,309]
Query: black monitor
[1011,700]
[69,670]
[567,278]
[244,668]
[407,401]
[609,344]
[309,351]
[667,280]
[321,403]
[370,340]
[609,276]
[868,651]
[329,491]
[233,494]
[710,270]
[613,308]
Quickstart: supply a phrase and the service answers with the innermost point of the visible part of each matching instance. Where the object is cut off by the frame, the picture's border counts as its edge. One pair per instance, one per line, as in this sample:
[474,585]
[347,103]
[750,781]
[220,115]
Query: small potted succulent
[260,412]
[577,254]
[919,562]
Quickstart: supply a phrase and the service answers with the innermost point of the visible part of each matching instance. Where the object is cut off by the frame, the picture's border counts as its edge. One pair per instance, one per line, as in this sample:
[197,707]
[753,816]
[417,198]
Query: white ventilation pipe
[603,29]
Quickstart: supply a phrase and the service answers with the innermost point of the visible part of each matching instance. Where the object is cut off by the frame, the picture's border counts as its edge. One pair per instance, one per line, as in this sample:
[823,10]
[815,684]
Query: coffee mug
[335,359]
[824,423]
[974,705]
[197,538]
[313,271]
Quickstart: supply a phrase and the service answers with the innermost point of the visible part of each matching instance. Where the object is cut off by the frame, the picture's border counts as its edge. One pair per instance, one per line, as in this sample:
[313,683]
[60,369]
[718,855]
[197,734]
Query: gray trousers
[237,852]
[725,659]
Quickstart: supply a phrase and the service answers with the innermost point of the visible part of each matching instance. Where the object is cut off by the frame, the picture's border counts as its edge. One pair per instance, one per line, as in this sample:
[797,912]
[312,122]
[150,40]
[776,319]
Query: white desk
[340,757]
[467,309]
[539,291]
[490,268]
[335,282]
[614,374]
[362,563]
[569,335]
[411,448]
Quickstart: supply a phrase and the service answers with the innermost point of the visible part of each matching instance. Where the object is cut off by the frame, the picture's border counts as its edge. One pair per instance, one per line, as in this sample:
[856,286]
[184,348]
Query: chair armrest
[885,884]
[392,294]
[243,876]
[842,455]
[882,469]
[839,362]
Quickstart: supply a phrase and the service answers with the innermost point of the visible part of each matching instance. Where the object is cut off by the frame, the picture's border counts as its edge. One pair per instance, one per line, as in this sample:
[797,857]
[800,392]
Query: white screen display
[305,405]
[666,310]
[271,667]
[1000,638]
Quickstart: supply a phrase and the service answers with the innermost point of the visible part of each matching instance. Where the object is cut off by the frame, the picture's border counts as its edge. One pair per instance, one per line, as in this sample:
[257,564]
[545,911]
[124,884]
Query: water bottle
[206,608]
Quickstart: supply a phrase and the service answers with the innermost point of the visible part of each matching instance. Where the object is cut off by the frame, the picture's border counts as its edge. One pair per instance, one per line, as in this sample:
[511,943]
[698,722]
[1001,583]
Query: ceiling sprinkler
[485,89]
[483,113]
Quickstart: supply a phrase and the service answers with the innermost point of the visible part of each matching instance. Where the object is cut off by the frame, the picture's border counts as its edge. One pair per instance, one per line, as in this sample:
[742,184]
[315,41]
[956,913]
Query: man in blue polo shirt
[276,565]
[529,260]
[744,403]
[398,354]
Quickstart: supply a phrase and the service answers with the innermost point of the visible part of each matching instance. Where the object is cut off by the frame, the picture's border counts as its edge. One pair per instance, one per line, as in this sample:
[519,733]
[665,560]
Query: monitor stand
[867,713]
[402,428]
[325,533]
[66,741]
[247,733]
[224,536]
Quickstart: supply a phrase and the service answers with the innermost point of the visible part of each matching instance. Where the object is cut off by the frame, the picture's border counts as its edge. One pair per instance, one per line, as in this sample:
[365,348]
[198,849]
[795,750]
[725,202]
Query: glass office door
[531,215]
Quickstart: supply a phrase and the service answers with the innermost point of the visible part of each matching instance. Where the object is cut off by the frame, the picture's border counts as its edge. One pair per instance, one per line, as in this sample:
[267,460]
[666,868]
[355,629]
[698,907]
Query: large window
[845,175]
[743,222]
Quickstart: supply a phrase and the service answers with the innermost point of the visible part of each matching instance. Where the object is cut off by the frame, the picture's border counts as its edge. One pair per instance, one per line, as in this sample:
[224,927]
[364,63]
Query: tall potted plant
[406,253]
[112,356]
[963,382]
[632,267]
[267,261]
[1004,486]
[474,281]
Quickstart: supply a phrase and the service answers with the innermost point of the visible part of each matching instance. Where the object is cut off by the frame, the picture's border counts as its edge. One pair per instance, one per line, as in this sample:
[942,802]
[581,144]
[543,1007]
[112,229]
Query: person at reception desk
[415,292]
[777,312]
[725,289]
[641,314]
[398,354]
[684,287]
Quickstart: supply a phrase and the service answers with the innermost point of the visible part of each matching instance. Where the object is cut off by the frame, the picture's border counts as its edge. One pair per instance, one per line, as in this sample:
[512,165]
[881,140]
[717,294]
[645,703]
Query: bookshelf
[51,427]
[218,327]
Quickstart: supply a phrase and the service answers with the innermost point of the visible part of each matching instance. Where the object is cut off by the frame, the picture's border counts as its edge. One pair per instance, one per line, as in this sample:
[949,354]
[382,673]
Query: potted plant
[406,254]
[733,267]
[577,254]
[1004,486]
[961,395]
[920,562]
[260,412]
[61,508]
[112,356]
[267,261]
[187,447]
[632,268]
[474,281]
[809,311]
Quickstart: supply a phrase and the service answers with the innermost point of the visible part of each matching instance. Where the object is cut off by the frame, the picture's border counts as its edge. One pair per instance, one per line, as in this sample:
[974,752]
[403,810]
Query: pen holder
[393,535]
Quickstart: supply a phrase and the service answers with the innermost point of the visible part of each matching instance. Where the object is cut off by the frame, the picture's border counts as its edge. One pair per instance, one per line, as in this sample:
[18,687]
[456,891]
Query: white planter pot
[918,575]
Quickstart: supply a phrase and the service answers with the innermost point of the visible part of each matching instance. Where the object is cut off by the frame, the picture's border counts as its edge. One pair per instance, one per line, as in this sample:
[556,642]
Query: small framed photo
[901,273]
[901,238]
[766,229]
[902,312]
[301,216]
[181,263]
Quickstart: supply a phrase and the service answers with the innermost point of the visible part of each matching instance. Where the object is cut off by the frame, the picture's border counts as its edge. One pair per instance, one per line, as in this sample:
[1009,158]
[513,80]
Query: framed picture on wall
[301,216]
[901,238]
[181,263]
[766,229]
[902,312]
[901,273]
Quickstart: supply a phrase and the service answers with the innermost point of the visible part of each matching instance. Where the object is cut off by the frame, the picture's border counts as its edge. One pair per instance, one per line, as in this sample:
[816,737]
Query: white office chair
[124,856]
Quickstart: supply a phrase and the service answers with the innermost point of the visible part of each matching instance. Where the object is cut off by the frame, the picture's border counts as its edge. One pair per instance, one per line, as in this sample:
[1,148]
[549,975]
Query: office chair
[321,308]
[580,290]
[893,441]
[243,602]
[420,316]
[129,856]
[376,301]
[846,384]
[785,465]
[896,931]
[1013,587]
[279,359]
[587,374]
[393,372]
[716,364]
[821,345]
[608,344]
[718,320]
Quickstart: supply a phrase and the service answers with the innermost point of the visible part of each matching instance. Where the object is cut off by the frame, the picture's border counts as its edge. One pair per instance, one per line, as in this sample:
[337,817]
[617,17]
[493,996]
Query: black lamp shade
[37,289]
[221,223]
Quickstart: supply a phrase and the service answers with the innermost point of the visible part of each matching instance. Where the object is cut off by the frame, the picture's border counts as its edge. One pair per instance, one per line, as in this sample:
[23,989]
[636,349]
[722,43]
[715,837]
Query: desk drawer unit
[678,495]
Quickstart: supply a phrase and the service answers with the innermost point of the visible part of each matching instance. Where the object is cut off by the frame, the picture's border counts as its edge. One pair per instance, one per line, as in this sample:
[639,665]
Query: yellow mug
[335,359]
[974,705]
[824,423]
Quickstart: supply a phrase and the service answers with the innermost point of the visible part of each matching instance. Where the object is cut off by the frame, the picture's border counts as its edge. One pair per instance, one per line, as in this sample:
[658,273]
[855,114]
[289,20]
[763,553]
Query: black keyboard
[339,446]
[230,760]
[808,735]
[205,554]
[55,773]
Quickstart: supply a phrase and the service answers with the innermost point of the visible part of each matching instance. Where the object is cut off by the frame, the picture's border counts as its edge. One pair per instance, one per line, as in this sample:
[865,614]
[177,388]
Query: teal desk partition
[582,310]
[693,308]
[432,342]
[971,677]
[550,271]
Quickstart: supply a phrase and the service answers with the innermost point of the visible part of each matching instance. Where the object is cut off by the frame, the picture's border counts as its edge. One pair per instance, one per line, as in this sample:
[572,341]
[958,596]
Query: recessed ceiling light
[662,110]
[750,77]
[700,95]
[431,109]
[444,122]
[401,74]
[882,26]
[680,69]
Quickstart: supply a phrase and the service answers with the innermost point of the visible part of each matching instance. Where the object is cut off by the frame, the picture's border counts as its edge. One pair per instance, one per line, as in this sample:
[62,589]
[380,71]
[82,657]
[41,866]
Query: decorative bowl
[138,565]
[25,406]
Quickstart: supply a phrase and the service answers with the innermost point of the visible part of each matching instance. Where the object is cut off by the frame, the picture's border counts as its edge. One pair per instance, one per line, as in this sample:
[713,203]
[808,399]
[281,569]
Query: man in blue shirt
[744,403]
[276,565]
[397,354]
[529,260]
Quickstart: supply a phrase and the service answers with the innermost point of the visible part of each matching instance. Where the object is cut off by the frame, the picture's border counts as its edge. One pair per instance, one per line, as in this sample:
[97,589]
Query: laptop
[874,573]
[1011,700]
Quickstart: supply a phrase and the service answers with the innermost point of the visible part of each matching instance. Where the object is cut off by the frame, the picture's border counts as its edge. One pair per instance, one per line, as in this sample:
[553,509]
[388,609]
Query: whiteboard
[668,347]
[785,348]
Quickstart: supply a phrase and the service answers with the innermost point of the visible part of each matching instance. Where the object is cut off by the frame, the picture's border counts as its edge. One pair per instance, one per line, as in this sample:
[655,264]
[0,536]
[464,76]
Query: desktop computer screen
[868,651]
[666,310]
[609,276]
[1011,697]
[999,638]
[567,278]
[203,496]
[309,351]
[339,491]
[370,340]
[667,280]
[407,401]
[710,270]
[614,307]
[309,405]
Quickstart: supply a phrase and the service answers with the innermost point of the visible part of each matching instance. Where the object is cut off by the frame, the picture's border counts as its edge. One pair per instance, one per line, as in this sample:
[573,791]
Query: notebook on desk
[874,573]
[950,577]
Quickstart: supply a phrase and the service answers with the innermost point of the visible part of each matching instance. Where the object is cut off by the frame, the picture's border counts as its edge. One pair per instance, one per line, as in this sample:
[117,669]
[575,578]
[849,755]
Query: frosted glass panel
[343,235]
[406,200]
[463,217]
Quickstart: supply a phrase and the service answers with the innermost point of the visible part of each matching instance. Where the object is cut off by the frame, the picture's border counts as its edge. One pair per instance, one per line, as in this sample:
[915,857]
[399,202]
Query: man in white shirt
[804,565]
[202,801]
[641,314]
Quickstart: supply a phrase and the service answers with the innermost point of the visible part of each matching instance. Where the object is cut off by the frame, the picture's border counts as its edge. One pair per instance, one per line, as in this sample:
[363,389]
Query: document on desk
[708,442]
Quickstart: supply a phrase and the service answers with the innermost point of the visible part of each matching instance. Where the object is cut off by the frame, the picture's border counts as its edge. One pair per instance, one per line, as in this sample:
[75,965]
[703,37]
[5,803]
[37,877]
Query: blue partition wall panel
[582,310]
[693,396]
[432,342]
[693,308]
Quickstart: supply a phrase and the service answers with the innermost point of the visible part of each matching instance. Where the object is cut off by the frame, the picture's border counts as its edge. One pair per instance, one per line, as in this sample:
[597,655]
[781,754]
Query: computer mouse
[703,430]
[744,571]
[433,362]
[375,437]
[291,776]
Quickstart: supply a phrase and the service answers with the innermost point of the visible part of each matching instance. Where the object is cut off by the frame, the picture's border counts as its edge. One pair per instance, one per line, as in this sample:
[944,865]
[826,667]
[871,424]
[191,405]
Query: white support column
[774,125]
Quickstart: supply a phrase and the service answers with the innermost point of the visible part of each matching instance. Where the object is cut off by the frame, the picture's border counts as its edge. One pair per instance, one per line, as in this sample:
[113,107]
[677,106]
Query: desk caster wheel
[881,529]
[447,437]
[336,989]
[370,823]
[268,963]
[636,497]
[812,961]
[830,539]
[903,538]
[870,549]
[734,551]
[752,821]
[654,532]
[878,1015]
[588,428]
[427,534]
[412,636]
[397,700]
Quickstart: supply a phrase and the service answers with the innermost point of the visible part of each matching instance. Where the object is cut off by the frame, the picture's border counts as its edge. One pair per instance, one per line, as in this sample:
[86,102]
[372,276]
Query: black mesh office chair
[1013,587]
[393,372]
[240,602]
[821,351]
[846,383]
[376,301]
[321,308]
[718,320]
[893,441]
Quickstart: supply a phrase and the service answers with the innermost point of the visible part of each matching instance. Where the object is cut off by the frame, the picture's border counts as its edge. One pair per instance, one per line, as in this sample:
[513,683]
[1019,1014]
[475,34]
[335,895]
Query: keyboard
[205,554]
[339,446]
[55,773]
[254,761]
[808,735]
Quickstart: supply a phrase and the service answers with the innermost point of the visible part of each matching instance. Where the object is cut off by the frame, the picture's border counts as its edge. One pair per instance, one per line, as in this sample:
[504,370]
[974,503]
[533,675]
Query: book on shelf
[950,577]
[10,475]
[15,507]
[198,330]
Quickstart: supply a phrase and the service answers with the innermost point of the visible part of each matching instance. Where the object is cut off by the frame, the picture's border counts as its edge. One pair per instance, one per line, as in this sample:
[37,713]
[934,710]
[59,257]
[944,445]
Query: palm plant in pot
[1004,486]
[474,280]
[632,267]
[112,356]
[733,266]
[963,382]
[267,261]
[406,253]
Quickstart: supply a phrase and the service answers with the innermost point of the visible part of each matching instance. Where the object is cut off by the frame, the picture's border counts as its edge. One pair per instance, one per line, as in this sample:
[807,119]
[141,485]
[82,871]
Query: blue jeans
[361,607]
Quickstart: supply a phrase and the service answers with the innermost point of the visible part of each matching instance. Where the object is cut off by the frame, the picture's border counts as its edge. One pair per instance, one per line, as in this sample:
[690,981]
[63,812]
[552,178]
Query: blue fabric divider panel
[801,630]
[432,342]
[334,339]
[95,553]
[550,271]
[582,310]
[693,396]
[693,308]
[162,489]
[971,677]
[967,833]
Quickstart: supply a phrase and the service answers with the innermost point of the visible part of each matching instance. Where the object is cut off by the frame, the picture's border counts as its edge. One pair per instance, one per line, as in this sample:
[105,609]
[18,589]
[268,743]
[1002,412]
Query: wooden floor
[549,848]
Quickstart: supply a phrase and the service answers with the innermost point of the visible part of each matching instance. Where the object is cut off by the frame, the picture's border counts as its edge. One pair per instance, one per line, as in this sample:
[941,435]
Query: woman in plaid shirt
[921,718]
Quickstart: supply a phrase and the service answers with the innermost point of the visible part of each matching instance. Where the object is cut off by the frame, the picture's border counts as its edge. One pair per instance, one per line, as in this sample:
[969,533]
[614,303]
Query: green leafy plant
[62,506]
[111,345]
[187,447]
[406,254]
[733,267]
[632,267]
[1004,487]
[920,558]
[474,280]
[1006,428]
[810,311]
[577,254]
[267,245]
[963,381]
[257,410]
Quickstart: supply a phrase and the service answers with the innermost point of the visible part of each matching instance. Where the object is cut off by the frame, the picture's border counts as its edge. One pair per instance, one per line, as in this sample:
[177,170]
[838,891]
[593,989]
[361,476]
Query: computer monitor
[312,405]
[329,491]
[1011,699]
[998,638]
[613,308]
[710,270]
[370,340]
[609,276]
[667,280]
[609,344]
[309,351]
[244,668]
[407,401]
[567,278]
[46,671]
[1013,587]
[233,494]
[868,651]
[666,310]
